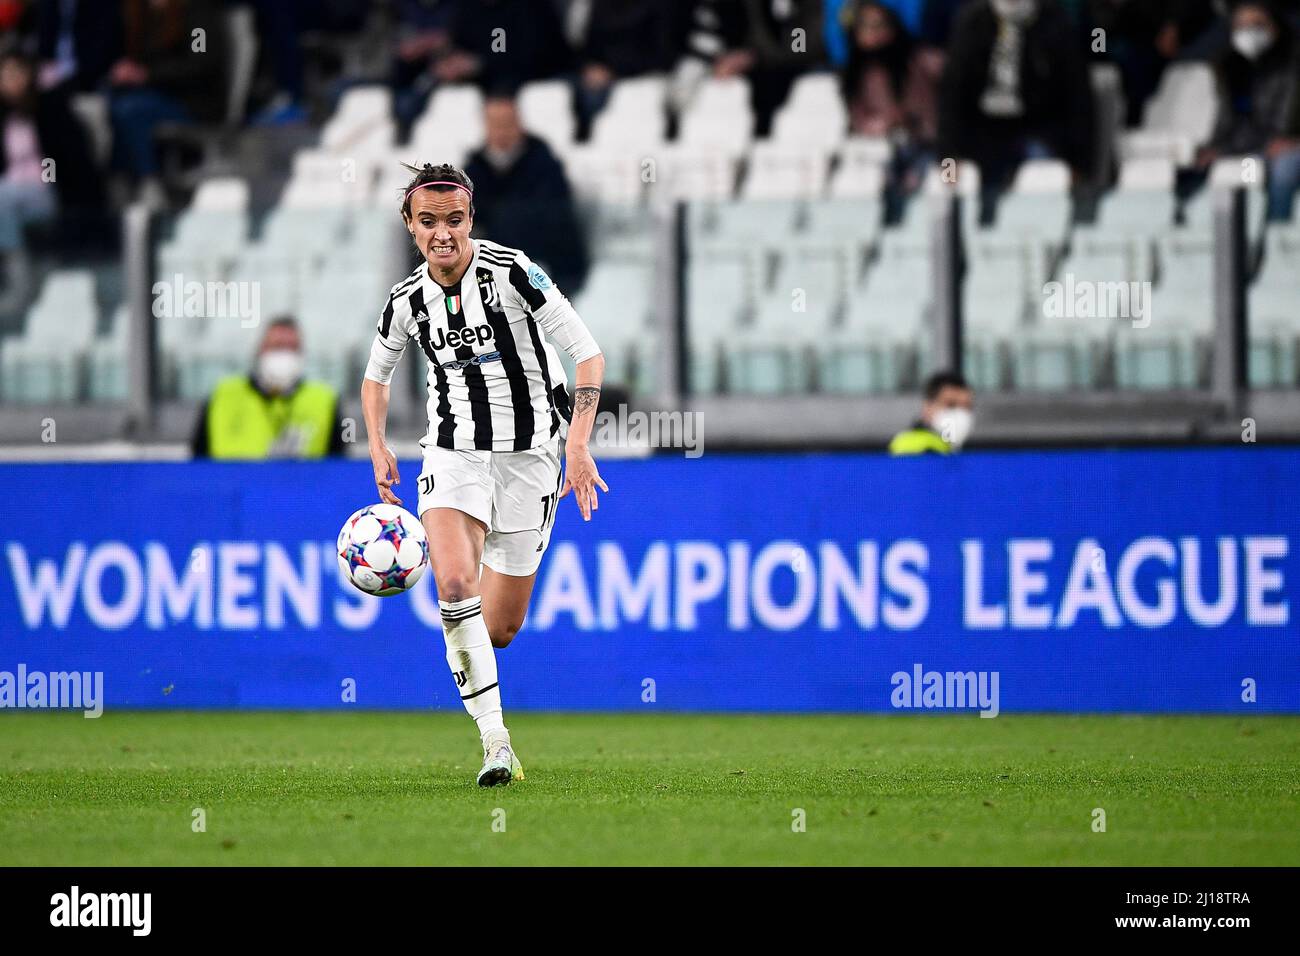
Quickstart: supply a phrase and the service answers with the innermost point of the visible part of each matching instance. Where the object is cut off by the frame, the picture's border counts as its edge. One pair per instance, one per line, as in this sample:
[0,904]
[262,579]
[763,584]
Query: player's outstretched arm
[580,475]
[374,407]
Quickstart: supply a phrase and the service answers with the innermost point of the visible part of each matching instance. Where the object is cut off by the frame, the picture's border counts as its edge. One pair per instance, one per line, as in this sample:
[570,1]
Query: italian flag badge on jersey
[453,304]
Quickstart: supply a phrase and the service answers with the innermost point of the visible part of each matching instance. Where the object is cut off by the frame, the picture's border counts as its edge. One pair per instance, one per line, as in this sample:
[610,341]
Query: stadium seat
[742,223]
[1038,204]
[719,303]
[854,222]
[362,121]
[108,379]
[45,363]
[208,234]
[719,119]
[861,165]
[1273,324]
[785,171]
[338,314]
[814,115]
[964,180]
[1231,172]
[693,172]
[1143,202]
[546,111]
[451,124]
[877,345]
[612,175]
[1003,278]
[634,118]
[1172,352]
[616,302]
[1179,117]
[804,301]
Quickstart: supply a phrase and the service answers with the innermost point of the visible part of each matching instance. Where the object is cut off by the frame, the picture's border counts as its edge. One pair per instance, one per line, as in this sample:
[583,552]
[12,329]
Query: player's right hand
[385,464]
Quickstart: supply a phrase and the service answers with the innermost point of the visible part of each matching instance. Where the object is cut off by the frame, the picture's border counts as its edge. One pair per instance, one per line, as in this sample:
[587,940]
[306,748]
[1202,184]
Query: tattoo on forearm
[585,398]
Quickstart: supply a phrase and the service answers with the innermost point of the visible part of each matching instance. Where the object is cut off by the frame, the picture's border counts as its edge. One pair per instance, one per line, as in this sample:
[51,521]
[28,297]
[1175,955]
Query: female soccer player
[498,407]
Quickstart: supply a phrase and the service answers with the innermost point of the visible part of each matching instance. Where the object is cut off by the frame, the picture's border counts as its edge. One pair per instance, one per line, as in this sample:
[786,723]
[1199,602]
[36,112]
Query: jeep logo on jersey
[455,338]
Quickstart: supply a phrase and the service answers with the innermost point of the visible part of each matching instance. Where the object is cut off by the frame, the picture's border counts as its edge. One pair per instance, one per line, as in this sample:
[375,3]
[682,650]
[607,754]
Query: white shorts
[514,493]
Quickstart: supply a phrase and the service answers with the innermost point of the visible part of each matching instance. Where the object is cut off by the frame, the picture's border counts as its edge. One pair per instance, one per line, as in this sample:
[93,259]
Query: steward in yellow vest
[919,440]
[272,413]
[947,417]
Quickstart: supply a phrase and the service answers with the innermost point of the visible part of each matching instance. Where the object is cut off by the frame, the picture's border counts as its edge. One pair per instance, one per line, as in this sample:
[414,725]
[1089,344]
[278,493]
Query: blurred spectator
[272,412]
[757,40]
[169,74]
[43,163]
[521,195]
[77,42]
[280,26]
[424,32]
[937,19]
[489,42]
[1259,99]
[891,89]
[1015,88]
[1143,36]
[621,39]
[838,24]
[17,26]
[947,417]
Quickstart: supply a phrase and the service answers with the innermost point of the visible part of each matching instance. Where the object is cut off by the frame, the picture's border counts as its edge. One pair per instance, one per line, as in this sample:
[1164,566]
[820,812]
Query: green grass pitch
[376,788]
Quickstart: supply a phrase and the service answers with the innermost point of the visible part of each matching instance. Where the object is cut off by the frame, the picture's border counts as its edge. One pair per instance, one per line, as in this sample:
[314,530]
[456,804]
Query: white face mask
[1252,42]
[1015,11]
[279,370]
[954,425]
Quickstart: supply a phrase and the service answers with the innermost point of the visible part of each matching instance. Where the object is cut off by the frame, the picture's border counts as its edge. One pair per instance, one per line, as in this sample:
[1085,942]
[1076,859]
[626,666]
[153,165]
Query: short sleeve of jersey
[391,336]
[552,309]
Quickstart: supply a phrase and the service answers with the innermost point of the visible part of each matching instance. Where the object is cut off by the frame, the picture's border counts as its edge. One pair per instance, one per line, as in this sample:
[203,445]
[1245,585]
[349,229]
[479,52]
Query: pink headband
[439,183]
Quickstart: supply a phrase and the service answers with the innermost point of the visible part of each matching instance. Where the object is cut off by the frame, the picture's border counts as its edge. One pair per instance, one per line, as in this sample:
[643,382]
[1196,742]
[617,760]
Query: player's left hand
[581,477]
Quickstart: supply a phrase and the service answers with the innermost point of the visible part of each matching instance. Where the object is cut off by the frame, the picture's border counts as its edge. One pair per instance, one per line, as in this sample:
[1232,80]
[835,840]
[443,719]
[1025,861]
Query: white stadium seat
[1179,117]
[452,122]
[45,362]
[877,347]
[546,111]
[814,115]
[794,313]
[694,172]
[635,117]
[785,171]
[719,118]
[362,121]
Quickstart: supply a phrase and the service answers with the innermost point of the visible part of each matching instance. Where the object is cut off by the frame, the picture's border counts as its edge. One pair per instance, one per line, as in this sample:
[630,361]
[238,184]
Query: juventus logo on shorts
[488,286]
[460,678]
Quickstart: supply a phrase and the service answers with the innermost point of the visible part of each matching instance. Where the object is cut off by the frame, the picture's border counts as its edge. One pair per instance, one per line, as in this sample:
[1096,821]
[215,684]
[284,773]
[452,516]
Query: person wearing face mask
[947,417]
[272,412]
[1258,80]
[524,200]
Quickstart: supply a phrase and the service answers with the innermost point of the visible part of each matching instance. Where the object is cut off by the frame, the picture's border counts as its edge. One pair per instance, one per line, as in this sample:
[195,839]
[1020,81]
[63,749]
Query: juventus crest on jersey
[495,382]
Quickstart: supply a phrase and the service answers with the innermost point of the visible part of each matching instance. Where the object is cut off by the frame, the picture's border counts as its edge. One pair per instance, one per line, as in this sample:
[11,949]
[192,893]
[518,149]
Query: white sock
[473,664]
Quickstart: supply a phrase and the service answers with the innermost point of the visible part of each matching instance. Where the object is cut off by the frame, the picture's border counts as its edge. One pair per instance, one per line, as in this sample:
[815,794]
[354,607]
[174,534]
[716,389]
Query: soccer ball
[383,550]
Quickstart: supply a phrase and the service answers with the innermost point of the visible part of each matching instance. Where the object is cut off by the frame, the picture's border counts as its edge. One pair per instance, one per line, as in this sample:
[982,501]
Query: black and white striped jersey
[495,383]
